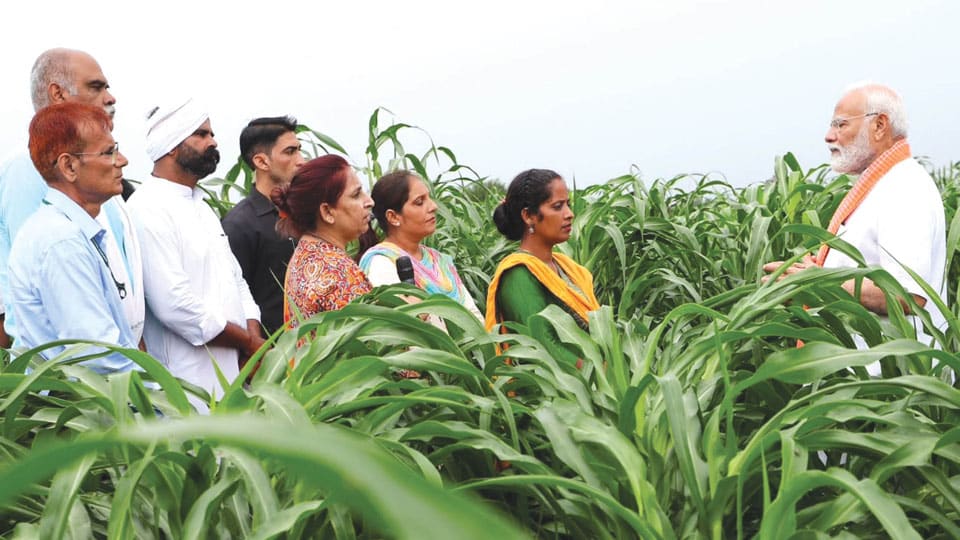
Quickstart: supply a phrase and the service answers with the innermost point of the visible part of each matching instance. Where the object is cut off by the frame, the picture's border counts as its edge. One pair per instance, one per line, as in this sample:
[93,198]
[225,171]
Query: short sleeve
[382,271]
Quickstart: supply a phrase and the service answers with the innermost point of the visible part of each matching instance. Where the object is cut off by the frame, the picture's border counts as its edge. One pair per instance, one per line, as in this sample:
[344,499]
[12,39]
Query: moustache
[212,154]
[110,109]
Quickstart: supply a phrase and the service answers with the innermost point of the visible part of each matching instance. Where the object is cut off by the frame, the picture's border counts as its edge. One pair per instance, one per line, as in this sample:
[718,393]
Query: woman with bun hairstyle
[407,215]
[536,211]
[325,207]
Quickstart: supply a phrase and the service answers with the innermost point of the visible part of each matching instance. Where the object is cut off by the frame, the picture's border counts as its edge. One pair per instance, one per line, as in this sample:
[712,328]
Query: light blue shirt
[21,191]
[61,286]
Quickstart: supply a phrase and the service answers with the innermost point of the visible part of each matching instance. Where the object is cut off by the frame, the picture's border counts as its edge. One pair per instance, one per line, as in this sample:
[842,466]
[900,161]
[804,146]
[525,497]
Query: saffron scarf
[861,188]
[873,173]
[435,273]
[581,304]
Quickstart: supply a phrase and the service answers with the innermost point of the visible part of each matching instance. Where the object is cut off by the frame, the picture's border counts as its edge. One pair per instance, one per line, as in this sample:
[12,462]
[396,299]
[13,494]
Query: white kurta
[901,223]
[193,283]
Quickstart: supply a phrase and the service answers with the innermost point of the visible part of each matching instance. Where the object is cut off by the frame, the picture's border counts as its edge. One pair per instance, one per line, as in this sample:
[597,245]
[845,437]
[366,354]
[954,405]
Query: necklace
[322,239]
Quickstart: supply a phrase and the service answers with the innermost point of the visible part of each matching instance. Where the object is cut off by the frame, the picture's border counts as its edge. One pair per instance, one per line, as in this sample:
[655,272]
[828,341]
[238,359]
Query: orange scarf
[880,167]
[861,188]
[580,276]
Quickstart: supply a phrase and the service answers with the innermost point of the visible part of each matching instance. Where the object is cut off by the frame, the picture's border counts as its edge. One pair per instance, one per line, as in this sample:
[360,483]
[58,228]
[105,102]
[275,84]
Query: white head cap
[170,124]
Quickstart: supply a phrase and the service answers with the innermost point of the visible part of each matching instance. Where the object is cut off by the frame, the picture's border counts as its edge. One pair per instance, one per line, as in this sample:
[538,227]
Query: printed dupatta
[435,274]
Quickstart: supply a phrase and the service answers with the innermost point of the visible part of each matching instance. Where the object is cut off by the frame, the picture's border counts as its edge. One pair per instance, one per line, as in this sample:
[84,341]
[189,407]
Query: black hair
[527,191]
[262,133]
[390,192]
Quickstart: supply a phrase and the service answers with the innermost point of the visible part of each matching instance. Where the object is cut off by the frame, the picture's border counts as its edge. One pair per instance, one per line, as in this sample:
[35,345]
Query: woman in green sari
[536,211]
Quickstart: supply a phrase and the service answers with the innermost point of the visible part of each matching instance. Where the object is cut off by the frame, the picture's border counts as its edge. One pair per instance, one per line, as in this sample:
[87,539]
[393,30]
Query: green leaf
[59,508]
[780,520]
[817,360]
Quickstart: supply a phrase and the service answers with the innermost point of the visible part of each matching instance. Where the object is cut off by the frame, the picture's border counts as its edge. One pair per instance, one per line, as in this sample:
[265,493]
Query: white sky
[587,88]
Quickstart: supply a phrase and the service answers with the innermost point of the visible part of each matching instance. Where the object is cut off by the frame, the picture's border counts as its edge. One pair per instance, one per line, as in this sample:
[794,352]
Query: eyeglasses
[111,153]
[840,123]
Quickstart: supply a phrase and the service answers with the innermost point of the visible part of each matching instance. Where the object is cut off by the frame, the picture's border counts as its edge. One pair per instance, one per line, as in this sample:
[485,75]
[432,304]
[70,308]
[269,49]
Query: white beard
[855,157]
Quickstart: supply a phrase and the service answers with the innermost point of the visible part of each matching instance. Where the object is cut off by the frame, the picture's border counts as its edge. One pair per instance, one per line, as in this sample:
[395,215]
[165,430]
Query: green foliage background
[694,416]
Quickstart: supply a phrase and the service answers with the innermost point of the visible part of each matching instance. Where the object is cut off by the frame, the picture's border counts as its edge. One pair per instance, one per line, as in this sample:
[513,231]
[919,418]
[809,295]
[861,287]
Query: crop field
[694,415]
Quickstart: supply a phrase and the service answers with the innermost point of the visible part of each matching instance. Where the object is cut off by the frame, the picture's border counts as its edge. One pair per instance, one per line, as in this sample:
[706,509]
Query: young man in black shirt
[270,147]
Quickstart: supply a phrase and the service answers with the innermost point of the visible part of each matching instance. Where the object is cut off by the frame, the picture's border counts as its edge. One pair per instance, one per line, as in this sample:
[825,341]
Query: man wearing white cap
[59,76]
[201,317]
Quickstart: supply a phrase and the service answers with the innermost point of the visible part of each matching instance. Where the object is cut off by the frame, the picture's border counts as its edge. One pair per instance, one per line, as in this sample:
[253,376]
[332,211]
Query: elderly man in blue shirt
[61,75]
[62,285]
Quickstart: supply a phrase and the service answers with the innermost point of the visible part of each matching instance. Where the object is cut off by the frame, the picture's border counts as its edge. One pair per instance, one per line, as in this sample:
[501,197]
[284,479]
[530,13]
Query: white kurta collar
[174,188]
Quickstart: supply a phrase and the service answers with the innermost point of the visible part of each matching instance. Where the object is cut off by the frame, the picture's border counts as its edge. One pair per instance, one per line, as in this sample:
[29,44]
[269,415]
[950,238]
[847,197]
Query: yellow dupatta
[580,276]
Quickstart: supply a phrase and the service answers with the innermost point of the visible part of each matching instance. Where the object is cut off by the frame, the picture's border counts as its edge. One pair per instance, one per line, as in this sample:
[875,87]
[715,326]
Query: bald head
[60,75]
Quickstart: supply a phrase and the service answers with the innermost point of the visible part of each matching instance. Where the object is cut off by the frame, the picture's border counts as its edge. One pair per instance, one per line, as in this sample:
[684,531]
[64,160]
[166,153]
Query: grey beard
[855,157]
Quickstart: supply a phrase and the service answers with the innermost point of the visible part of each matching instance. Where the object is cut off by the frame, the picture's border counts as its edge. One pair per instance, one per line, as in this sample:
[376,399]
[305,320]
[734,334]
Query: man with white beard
[893,213]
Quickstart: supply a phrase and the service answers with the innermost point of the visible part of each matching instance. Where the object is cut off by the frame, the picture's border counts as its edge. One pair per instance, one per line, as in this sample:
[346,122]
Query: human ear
[883,125]
[326,214]
[260,161]
[393,218]
[56,93]
[526,216]
[66,167]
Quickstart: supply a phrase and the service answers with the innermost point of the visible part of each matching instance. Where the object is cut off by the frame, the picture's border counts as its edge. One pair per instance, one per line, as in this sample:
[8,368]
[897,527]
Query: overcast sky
[590,89]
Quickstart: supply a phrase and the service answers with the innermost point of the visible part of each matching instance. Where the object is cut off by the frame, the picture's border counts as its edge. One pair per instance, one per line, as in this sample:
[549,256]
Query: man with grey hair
[58,76]
[893,214]
[68,75]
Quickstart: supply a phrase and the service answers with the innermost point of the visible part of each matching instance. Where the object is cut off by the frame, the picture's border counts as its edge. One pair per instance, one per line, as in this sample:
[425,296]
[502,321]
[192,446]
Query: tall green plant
[694,414]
